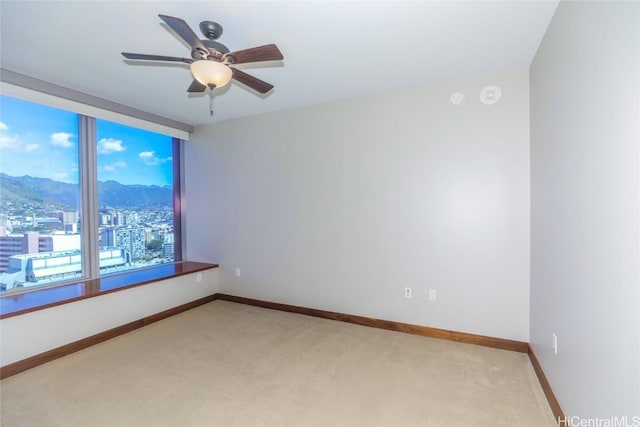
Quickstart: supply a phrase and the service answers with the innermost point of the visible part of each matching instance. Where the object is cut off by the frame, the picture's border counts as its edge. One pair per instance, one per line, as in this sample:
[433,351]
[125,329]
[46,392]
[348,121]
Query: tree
[154,245]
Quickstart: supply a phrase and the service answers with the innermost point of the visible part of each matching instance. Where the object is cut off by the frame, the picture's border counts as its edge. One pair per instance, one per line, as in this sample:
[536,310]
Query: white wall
[585,221]
[36,332]
[340,206]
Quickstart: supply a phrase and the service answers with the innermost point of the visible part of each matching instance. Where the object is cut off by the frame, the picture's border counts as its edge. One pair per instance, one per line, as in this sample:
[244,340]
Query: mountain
[114,194]
[27,190]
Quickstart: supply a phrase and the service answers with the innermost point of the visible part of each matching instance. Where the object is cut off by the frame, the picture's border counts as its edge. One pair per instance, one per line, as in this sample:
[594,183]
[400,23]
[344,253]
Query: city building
[131,239]
[19,244]
[32,243]
[118,218]
[41,268]
[70,221]
[168,249]
[104,219]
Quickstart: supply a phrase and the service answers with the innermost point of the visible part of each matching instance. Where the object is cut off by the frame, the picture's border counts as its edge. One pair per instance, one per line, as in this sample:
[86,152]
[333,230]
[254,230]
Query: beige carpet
[226,364]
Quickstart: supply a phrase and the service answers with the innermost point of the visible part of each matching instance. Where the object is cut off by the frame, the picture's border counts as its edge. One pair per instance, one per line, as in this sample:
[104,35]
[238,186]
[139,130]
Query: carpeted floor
[226,364]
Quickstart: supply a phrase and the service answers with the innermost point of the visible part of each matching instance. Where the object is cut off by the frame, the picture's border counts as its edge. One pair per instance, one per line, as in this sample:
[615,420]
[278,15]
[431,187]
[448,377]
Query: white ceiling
[332,49]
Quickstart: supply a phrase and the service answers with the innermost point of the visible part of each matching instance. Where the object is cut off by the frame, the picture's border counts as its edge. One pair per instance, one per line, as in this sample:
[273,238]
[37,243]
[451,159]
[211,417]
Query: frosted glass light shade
[211,72]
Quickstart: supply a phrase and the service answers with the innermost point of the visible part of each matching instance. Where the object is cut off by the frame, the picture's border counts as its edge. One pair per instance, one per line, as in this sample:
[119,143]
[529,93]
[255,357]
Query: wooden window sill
[39,299]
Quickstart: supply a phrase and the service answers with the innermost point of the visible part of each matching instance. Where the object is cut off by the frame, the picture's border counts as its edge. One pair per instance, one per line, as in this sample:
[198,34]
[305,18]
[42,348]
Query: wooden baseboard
[504,344]
[546,388]
[47,356]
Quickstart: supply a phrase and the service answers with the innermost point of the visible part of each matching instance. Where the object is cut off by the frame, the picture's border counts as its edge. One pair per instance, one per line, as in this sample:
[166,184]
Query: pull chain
[210,103]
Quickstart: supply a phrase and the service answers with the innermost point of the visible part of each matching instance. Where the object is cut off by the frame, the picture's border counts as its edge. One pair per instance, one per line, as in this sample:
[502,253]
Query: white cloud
[110,145]
[60,176]
[31,147]
[150,159]
[61,139]
[113,166]
[147,155]
[8,141]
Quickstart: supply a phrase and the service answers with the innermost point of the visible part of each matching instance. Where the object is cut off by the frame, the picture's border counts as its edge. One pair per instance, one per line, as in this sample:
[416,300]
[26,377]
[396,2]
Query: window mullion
[89,197]
[177,198]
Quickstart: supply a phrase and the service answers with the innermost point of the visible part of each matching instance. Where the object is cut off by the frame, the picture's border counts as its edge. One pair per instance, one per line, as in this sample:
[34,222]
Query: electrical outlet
[199,277]
[555,343]
[433,295]
[238,272]
[407,293]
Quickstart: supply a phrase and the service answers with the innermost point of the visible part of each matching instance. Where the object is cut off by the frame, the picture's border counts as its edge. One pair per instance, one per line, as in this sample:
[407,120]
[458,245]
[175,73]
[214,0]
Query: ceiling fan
[211,60]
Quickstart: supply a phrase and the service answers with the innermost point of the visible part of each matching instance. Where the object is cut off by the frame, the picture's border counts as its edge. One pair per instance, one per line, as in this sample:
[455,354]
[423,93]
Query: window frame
[89,207]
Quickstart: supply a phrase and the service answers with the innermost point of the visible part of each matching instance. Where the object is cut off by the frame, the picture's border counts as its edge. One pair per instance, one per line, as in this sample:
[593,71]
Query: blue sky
[42,141]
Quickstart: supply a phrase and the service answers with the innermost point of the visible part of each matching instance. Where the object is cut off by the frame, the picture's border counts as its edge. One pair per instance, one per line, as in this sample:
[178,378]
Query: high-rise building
[117,218]
[104,219]
[130,239]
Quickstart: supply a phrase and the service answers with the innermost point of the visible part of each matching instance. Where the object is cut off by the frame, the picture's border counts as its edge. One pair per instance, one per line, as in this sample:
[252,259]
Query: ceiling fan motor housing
[211,30]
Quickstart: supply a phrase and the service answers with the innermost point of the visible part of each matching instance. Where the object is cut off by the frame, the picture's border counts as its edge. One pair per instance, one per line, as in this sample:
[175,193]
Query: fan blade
[184,31]
[253,82]
[269,52]
[196,86]
[129,55]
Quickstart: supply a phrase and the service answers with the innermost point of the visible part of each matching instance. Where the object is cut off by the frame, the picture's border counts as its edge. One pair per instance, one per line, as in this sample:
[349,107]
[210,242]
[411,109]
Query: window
[135,197]
[82,197]
[39,194]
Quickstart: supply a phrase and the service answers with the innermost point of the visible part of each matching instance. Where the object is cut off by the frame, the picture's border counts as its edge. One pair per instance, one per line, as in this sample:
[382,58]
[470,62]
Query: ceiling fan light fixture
[210,72]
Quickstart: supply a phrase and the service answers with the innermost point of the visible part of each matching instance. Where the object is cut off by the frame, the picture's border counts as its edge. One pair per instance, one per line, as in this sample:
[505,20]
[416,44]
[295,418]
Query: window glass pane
[135,197]
[40,220]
